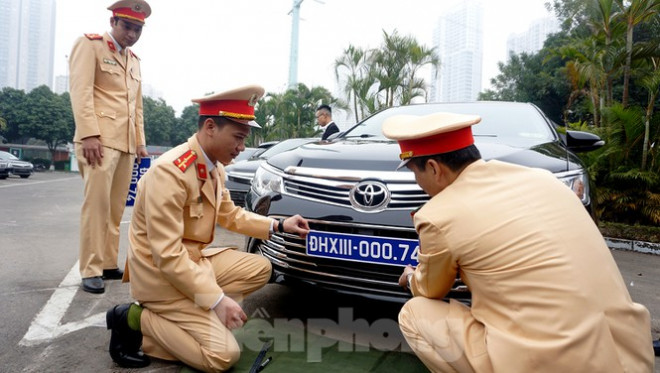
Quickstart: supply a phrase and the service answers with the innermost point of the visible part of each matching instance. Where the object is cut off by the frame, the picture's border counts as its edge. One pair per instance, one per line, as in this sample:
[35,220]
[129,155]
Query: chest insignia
[109,61]
[184,161]
[201,171]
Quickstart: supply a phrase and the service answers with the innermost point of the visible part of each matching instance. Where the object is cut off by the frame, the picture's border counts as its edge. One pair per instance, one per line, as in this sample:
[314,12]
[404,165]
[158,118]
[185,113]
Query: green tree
[385,76]
[651,82]
[49,118]
[12,110]
[354,62]
[537,78]
[291,114]
[159,121]
[636,12]
[186,125]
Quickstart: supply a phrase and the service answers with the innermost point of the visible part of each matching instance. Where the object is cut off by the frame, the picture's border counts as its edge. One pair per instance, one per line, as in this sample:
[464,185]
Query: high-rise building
[61,84]
[27,43]
[532,40]
[458,39]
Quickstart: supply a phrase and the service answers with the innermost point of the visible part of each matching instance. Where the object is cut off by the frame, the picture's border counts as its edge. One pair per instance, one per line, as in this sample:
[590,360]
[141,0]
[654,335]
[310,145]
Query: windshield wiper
[362,136]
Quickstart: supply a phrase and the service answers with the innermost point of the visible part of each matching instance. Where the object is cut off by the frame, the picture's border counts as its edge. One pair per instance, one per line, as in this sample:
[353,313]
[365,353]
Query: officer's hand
[230,313]
[403,279]
[296,224]
[141,152]
[92,150]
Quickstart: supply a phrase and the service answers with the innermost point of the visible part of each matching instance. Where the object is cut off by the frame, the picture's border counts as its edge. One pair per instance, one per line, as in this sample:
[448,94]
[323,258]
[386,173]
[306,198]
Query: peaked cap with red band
[430,134]
[237,104]
[131,10]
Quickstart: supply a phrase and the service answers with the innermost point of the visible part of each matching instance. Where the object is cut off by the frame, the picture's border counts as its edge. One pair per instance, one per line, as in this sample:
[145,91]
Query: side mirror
[579,141]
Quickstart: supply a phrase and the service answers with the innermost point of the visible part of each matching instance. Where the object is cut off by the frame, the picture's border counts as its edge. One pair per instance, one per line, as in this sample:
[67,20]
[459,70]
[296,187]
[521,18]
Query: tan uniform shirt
[543,282]
[173,222]
[106,93]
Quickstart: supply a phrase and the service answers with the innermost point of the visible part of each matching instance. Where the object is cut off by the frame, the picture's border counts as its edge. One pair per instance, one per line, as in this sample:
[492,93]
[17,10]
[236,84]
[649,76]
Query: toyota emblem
[369,196]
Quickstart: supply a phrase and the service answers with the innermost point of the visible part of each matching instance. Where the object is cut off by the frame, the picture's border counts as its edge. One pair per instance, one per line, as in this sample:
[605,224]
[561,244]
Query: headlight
[266,181]
[578,181]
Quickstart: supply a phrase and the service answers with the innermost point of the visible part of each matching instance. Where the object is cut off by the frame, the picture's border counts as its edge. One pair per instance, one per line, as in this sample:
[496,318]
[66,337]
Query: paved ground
[48,325]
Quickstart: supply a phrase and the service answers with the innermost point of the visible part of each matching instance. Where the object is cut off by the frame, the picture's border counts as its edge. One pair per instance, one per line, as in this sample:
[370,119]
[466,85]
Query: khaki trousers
[106,189]
[445,336]
[181,330]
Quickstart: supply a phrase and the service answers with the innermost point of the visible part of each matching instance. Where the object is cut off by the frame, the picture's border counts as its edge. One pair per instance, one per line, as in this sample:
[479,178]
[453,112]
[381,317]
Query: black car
[359,207]
[239,174]
[10,164]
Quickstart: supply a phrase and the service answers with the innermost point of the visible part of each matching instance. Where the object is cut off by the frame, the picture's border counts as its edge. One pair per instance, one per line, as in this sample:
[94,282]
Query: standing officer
[188,292]
[547,295]
[106,96]
[324,119]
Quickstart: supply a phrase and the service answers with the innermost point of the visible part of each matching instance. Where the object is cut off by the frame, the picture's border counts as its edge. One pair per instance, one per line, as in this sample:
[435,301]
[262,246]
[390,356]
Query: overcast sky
[189,48]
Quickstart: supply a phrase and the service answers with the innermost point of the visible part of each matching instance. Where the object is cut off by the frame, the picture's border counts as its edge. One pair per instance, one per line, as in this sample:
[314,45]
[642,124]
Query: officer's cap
[430,134]
[131,10]
[236,104]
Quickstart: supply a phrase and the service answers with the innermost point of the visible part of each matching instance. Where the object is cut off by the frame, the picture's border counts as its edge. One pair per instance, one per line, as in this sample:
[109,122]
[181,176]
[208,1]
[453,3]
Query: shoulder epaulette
[133,54]
[184,161]
[94,36]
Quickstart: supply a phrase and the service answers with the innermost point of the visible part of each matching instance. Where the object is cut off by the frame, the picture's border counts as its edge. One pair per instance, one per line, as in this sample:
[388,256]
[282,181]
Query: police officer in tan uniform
[189,293]
[106,96]
[547,295]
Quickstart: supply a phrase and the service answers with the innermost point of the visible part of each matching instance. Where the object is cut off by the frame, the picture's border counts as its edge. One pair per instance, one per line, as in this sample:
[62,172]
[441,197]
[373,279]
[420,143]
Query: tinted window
[512,124]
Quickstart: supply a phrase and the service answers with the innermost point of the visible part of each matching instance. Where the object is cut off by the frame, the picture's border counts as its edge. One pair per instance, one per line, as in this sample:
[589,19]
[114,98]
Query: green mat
[295,350]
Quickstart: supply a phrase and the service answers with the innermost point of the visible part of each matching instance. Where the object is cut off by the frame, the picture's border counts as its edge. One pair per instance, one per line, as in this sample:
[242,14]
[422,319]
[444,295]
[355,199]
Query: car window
[8,156]
[516,125]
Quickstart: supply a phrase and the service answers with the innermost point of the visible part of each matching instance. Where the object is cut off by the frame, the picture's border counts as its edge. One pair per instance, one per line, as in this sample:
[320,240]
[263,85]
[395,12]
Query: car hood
[19,163]
[248,166]
[384,156]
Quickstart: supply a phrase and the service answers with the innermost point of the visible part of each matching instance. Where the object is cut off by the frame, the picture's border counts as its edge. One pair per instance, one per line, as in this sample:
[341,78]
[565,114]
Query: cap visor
[403,163]
[250,123]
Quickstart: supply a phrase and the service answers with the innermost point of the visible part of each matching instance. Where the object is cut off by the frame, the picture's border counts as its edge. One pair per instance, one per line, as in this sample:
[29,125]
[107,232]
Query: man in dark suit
[324,119]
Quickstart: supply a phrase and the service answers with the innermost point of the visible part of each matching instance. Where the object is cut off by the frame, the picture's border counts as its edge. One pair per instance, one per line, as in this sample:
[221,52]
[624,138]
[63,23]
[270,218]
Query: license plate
[360,248]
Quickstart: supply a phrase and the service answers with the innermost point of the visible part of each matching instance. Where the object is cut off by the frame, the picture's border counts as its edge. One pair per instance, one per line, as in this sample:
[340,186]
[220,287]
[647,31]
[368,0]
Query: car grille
[336,189]
[287,254]
[238,197]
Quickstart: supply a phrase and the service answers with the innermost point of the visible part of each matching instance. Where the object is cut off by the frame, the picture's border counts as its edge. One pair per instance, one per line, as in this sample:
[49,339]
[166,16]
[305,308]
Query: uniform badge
[201,171]
[109,61]
[111,45]
[184,161]
[93,36]
[253,99]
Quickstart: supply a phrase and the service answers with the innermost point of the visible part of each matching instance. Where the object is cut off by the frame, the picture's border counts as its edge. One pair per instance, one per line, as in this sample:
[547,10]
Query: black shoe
[93,285]
[113,274]
[656,347]
[125,342]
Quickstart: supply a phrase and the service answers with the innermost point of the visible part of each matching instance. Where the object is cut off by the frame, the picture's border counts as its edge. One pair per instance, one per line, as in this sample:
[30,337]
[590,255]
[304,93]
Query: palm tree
[637,12]
[652,84]
[353,60]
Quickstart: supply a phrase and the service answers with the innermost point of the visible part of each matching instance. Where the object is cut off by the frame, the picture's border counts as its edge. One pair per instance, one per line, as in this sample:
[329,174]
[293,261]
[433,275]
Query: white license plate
[361,248]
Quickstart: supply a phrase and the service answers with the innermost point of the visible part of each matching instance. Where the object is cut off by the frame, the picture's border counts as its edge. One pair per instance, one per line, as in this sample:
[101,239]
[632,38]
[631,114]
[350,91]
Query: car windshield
[7,156]
[520,125]
[282,146]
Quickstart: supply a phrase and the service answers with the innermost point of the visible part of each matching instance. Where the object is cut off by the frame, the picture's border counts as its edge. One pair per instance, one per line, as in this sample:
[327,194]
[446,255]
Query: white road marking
[47,325]
[37,182]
